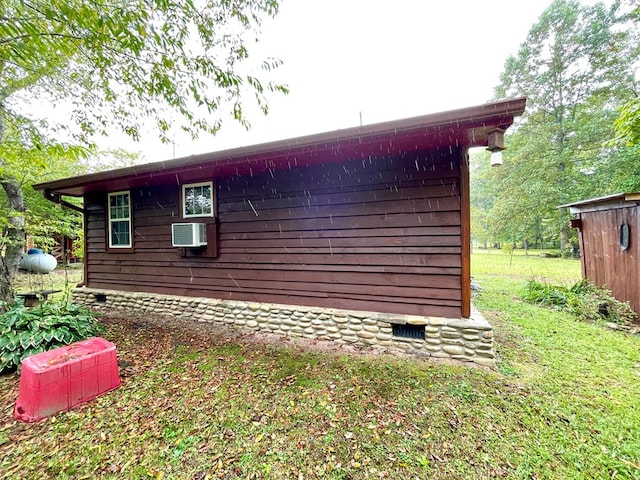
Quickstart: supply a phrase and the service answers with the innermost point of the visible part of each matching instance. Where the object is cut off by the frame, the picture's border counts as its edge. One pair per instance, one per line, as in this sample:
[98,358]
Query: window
[624,236]
[197,200]
[119,220]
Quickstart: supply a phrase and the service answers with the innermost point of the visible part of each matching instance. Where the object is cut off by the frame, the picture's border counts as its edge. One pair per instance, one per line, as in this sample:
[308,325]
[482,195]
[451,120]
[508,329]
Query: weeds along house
[359,235]
[608,229]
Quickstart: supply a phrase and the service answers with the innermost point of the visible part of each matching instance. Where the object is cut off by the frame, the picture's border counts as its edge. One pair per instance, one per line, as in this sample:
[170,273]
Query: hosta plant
[28,331]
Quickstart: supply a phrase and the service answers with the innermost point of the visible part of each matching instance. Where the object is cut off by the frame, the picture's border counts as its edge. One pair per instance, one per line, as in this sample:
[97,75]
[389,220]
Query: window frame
[183,192]
[128,219]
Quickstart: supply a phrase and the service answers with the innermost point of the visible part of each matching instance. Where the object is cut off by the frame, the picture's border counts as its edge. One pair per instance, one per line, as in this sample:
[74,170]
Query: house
[359,235]
[608,229]
[62,248]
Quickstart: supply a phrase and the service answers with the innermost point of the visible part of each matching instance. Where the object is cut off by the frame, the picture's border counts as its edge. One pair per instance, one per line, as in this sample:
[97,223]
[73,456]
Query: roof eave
[607,202]
[475,121]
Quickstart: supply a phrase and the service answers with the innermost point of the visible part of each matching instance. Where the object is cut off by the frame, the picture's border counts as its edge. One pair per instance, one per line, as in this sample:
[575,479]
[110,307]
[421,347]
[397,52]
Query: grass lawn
[62,278]
[563,404]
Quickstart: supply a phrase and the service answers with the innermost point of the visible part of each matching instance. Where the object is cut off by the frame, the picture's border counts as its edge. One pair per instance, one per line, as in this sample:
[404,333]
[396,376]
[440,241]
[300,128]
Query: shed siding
[604,261]
[381,234]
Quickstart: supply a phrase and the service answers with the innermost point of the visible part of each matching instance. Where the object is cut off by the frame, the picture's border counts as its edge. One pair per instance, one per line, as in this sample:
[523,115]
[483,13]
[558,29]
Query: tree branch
[44,34]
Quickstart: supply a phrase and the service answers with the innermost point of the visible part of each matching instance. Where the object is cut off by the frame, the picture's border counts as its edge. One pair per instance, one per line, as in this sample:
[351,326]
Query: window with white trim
[197,200]
[120,220]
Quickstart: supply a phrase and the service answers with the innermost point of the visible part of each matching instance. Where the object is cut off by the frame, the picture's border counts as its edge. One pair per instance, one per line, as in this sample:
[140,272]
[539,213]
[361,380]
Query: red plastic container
[60,379]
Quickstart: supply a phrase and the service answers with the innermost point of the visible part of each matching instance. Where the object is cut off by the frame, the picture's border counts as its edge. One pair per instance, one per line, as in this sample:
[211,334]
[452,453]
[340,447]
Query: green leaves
[122,62]
[628,123]
[586,301]
[576,67]
[28,331]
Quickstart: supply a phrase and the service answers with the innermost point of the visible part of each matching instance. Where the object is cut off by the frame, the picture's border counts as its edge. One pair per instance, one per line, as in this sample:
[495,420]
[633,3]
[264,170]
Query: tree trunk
[564,237]
[13,239]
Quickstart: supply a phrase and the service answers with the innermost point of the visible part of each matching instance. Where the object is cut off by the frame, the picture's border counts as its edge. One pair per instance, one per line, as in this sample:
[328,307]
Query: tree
[25,161]
[576,66]
[481,198]
[628,123]
[118,64]
[626,173]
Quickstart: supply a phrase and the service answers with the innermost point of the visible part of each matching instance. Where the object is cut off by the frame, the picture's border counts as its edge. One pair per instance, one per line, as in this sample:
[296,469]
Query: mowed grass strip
[562,404]
[63,278]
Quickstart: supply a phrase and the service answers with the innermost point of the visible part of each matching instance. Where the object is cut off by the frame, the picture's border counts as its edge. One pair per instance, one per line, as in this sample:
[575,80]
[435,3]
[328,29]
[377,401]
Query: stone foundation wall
[466,340]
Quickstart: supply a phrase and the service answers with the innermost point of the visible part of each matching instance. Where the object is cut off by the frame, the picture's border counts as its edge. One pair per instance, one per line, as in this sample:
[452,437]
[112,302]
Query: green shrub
[507,248]
[544,294]
[584,300]
[28,331]
[594,304]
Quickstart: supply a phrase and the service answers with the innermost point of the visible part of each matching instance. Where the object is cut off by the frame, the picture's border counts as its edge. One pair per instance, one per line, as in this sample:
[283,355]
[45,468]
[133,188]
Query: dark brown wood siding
[604,261]
[383,234]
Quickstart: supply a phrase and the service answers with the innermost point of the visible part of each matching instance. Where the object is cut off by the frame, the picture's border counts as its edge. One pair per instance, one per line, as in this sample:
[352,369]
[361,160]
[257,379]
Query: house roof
[609,202]
[466,127]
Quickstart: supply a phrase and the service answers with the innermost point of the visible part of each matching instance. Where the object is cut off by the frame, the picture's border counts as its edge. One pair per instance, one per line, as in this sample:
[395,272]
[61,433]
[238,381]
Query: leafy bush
[584,300]
[28,331]
[507,248]
[594,304]
[543,294]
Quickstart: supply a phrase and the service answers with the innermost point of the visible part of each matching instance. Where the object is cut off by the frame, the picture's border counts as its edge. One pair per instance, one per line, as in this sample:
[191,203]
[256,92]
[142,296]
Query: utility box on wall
[60,379]
[188,234]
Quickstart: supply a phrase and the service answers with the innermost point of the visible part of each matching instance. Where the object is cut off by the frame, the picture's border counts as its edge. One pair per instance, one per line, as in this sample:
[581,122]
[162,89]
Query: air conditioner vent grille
[188,234]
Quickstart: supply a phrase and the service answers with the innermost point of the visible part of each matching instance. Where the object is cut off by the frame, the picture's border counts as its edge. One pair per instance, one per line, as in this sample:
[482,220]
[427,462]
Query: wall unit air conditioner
[188,234]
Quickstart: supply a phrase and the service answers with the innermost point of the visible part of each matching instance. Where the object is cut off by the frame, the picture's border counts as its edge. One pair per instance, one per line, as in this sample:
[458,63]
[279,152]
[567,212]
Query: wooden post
[465,233]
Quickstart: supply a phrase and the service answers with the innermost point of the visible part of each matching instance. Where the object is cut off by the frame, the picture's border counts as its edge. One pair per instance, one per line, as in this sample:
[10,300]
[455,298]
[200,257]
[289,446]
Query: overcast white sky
[385,59]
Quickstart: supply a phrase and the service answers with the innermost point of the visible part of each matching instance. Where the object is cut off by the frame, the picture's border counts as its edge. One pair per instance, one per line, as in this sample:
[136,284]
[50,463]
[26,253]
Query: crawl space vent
[408,331]
[101,298]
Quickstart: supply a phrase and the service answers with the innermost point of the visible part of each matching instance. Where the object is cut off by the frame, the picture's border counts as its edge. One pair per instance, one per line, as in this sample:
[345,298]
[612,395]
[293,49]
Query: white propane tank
[36,261]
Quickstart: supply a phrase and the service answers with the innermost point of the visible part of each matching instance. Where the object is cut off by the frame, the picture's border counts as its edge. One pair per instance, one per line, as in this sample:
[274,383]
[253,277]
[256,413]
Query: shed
[360,235]
[608,229]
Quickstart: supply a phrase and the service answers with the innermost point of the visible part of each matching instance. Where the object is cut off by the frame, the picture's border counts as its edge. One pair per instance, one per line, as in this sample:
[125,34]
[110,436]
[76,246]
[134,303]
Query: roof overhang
[609,202]
[467,127]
